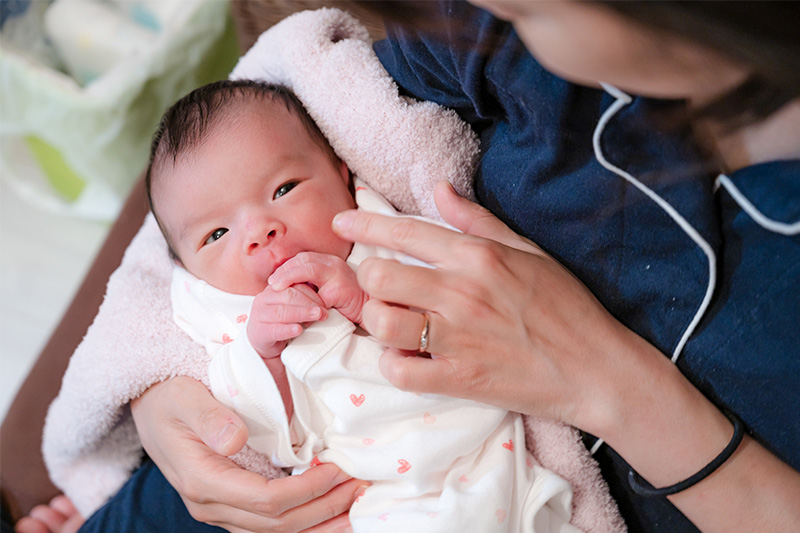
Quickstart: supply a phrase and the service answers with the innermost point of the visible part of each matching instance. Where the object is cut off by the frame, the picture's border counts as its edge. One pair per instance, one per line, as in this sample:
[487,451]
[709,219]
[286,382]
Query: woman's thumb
[225,434]
[216,425]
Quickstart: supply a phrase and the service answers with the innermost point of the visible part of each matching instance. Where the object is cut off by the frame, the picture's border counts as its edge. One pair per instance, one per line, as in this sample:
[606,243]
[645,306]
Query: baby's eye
[218,233]
[285,188]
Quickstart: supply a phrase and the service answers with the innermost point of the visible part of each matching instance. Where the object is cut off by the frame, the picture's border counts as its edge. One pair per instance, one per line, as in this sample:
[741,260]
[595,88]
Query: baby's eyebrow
[280,164]
[185,230]
[190,223]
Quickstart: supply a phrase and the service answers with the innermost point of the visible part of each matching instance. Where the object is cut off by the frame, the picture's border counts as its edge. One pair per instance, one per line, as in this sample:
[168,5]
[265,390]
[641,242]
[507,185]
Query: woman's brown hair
[763,36]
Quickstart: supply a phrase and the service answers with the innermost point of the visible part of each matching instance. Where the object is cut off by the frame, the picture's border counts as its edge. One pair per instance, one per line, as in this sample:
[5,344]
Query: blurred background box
[83,84]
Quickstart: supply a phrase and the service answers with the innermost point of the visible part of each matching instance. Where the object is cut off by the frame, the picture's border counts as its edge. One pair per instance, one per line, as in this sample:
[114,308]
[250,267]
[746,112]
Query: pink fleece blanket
[401,147]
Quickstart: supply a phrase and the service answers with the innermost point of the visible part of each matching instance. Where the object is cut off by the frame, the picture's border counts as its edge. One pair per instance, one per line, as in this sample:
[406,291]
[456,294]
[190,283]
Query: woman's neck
[777,137]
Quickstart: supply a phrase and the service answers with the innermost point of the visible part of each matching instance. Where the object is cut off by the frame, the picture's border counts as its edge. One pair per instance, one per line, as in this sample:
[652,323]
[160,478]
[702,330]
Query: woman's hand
[511,327]
[508,324]
[188,434]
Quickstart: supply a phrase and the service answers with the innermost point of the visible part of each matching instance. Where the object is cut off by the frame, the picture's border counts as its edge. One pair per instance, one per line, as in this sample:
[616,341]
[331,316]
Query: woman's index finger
[412,236]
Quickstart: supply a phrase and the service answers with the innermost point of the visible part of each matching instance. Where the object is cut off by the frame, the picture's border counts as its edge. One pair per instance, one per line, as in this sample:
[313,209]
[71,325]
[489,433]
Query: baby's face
[256,192]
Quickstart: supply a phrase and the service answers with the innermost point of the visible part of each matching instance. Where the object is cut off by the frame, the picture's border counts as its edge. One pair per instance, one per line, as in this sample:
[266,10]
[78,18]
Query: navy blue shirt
[539,174]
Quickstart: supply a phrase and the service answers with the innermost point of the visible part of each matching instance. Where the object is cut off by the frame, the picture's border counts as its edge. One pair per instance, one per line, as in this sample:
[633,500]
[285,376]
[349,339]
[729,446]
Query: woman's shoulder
[474,63]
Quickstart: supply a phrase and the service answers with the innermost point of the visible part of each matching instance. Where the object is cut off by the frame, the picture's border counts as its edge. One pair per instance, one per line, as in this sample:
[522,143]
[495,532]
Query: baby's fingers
[295,304]
[305,267]
[271,333]
[303,293]
[290,314]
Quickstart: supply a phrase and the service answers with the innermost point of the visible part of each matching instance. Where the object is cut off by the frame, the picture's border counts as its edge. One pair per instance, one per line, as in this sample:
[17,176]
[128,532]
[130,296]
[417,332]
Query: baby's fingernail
[343,221]
[316,312]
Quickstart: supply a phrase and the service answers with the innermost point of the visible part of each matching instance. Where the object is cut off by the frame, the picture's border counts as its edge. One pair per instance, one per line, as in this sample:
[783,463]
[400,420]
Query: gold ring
[423,337]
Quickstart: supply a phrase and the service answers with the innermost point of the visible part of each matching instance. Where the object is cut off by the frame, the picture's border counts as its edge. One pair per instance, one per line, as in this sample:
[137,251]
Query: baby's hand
[59,516]
[279,315]
[335,281]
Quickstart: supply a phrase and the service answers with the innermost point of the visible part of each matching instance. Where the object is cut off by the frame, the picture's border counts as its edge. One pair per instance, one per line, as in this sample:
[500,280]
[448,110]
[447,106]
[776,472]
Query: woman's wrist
[667,431]
[655,418]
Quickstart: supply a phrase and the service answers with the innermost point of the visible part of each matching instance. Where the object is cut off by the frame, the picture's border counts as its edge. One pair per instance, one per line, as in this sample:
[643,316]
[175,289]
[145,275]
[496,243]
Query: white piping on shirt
[747,206]
[758,217]
[622,100]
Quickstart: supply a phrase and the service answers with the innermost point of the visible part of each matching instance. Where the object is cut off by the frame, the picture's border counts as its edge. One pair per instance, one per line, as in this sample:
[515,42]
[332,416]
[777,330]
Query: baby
[244,187]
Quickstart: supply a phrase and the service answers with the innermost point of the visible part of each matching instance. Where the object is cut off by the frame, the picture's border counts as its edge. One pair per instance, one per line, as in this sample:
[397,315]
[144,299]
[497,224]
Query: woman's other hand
[189,435]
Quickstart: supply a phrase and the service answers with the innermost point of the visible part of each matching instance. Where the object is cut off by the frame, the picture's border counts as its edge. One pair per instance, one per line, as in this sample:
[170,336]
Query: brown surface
[253,17]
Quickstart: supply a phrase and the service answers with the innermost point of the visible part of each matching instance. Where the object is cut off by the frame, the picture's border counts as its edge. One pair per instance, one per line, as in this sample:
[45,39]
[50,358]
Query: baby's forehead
[237,118]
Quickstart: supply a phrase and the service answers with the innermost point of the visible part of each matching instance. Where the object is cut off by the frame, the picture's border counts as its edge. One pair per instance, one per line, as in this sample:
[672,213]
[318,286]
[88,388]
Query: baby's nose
[260,233]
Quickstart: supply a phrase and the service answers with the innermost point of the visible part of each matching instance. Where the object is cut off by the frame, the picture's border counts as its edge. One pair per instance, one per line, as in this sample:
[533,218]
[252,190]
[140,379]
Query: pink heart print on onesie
[404,466]
[357,400]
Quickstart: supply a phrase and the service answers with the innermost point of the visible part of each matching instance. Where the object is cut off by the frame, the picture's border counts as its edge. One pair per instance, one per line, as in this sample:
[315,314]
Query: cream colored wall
[43,258]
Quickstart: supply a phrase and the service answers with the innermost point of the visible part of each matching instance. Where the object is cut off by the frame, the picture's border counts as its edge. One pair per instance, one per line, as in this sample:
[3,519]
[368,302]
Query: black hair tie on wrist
[643,488]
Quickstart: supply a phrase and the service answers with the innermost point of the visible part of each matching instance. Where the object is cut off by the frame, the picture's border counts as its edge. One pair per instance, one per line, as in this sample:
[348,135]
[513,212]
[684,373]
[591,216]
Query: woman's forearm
[667,431]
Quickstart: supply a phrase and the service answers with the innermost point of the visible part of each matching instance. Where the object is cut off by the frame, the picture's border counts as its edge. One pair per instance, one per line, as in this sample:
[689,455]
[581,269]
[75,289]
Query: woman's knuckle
[200,513]
[469,375]
[386,327]
[270,507]
[329,511]
[191,492]
[399,377]
[403,231]
[479,254]
[376,277]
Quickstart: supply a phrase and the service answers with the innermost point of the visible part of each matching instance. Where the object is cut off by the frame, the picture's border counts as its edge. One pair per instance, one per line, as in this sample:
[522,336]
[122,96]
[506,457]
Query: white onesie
[435,463]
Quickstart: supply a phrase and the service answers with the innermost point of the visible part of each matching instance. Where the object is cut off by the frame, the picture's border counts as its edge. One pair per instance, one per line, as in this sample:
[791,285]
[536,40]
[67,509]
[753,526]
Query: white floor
[43,258]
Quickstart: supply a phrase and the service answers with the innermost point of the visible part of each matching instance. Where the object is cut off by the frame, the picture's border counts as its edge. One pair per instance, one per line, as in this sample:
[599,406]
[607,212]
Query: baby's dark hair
[188,122]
